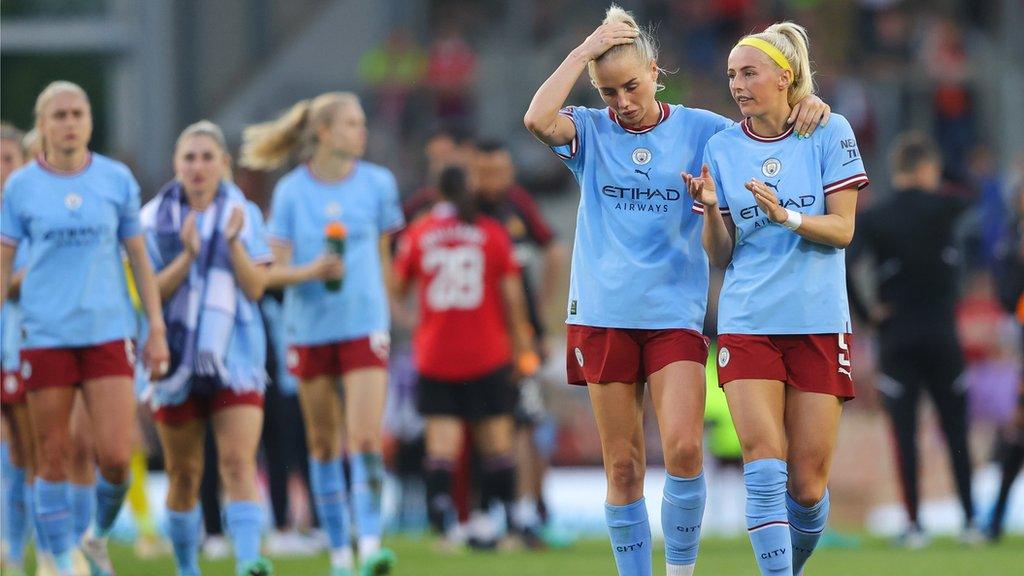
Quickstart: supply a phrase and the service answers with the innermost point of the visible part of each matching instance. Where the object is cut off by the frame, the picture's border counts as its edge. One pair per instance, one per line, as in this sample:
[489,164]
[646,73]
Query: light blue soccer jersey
[778,282]
[366,202]
[10,321]
[637,260]
[246,355]
[74,293]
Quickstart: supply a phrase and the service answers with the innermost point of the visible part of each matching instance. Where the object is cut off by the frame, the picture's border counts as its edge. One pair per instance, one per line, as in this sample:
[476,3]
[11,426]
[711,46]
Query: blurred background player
[82,207]
[1010,282]
[472,327]
[208,246]
[340,332]
[910,237]
[636,235]
[785,366]
[18,464]
[505,200]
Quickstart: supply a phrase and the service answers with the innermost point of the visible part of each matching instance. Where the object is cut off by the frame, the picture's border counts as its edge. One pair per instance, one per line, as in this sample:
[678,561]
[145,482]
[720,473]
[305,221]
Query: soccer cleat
[972,536]
[94,549]
[379,563]
[258,567]
[913,538]
[216,548]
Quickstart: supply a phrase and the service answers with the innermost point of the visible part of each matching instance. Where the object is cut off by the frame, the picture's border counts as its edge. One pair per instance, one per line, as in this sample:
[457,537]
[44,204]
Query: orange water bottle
[334,243]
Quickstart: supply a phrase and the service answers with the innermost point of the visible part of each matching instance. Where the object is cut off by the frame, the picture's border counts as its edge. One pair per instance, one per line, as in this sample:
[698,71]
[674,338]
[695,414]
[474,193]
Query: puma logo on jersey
[647,174]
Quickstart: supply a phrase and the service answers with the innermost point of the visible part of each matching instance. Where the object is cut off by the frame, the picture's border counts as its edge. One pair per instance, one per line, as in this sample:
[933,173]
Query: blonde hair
[210,130]
[32,143]
[791,39]
[54,88]
[11,132]
[268,145]
[644,46]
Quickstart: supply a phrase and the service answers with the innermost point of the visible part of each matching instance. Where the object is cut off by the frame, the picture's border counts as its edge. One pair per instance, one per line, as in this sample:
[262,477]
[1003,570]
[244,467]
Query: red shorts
[601,355]
[52,367]
[202,406]
[819,363]
[12,389]
[339,358]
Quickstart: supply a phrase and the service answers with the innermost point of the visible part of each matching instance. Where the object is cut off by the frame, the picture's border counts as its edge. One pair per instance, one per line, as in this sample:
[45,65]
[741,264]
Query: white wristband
[793,220]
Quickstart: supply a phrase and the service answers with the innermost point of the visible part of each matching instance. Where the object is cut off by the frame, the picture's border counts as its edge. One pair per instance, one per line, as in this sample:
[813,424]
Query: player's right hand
[190,235]
[702,188]
[328,267]
[605,37]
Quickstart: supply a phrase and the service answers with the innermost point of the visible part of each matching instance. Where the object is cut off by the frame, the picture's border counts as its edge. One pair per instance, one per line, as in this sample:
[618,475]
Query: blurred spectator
[451,69]
[392,71]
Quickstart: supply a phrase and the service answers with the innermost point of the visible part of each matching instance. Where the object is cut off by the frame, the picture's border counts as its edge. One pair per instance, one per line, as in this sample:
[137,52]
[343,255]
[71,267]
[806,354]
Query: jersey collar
[662,116]
[749,131]
[41,160]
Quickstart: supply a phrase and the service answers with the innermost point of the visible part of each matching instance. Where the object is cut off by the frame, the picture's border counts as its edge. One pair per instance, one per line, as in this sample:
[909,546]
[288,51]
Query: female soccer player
[209,248]
[20,469]
[473,315]
[639,280]
[334,331]
[778,212]
[74,208]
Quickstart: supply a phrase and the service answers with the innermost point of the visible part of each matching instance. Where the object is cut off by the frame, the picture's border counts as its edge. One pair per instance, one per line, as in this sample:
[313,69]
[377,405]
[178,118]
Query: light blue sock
[630,533]
[328,487]
[185,530]
[30,511]
[83,507]
[805,528]
[244,522]
[109,498]
[367,479]
[682,511]
[53,511]
[15,514]
[767,522]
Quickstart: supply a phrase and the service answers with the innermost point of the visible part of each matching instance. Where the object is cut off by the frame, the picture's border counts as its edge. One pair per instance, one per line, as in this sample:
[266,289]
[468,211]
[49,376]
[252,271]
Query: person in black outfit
[1009,274]
[911,237]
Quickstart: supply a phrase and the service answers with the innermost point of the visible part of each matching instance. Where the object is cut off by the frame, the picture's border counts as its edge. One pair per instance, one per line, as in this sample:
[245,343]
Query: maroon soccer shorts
[338,358]
[64,367]
[821,363]
[602,355]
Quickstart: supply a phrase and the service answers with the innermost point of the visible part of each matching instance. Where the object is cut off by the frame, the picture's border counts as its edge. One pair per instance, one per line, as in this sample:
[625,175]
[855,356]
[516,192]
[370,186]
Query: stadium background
[950,68]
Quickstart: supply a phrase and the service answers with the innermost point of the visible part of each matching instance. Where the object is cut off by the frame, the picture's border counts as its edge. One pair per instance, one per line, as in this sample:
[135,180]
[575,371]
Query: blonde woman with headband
[208,245]
[639,282]
[75,209]
[778,214]
[330,225]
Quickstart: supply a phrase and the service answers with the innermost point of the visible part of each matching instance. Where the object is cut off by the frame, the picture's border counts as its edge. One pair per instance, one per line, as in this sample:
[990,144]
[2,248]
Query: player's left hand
[767,201]
[155,355]
[235,223]
[808,114]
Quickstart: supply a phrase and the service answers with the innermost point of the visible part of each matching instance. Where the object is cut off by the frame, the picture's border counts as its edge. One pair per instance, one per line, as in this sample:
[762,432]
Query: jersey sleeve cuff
[9,240]
[278,240]
[857,181]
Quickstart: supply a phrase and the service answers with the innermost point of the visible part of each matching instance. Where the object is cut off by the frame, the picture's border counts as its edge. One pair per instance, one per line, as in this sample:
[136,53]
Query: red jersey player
[472,320]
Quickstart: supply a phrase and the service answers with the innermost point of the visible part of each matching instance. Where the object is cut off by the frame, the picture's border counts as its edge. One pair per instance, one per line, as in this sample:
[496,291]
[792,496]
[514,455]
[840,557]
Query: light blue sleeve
[841,164]
[389,216]
[282,223]
[153,249]
[573,153]
[256,235]
[10,221]
[128,224]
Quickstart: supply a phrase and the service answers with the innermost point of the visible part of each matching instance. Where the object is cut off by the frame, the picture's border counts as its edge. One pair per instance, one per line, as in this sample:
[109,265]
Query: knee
[807,492]
[53,452]
[362,443]
[323,446]
[183,484]
[762,447]
[236,469]
[625,474]
[684,457]
[114,462]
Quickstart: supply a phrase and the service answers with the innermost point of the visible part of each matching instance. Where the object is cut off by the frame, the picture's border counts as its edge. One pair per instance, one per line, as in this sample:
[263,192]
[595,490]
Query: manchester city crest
[72,201]
[771,167]
[641,156]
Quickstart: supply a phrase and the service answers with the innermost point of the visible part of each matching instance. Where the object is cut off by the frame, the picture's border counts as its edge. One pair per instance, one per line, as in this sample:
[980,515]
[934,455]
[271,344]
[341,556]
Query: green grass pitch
[718,557]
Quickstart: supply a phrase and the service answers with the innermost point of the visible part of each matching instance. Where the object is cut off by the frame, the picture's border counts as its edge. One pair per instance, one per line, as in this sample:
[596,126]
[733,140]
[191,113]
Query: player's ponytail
[791,39]
[269,145]
[644,45]
[454,187]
